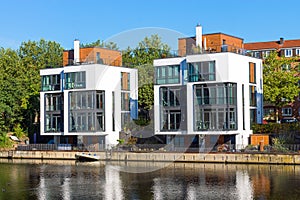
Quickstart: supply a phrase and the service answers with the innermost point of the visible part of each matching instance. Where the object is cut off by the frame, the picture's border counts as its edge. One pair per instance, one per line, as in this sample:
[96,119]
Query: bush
[279,145]
[18,132]
[5,142]
[276,128]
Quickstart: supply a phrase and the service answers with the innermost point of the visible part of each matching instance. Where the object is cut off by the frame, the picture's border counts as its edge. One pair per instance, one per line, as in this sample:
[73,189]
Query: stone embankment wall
[242,158]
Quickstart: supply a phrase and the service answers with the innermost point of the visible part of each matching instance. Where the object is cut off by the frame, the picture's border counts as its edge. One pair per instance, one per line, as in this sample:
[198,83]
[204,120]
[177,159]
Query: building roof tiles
[272,45]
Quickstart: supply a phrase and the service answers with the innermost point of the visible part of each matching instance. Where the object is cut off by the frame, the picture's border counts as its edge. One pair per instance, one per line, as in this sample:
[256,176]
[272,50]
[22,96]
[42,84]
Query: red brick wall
[109,57]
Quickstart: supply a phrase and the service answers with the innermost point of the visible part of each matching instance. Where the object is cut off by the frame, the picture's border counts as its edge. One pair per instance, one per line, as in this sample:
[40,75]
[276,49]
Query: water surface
[35,179]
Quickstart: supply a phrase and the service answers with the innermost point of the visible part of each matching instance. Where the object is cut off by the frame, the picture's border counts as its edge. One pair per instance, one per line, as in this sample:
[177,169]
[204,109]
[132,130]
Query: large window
[215,107]
[171,120]
[53,122]
[167,74]
[252,95]
[125,101]
[75,80]
[125,108]
[253,116]
[51,82]
[170,111]
[125,98]
[86,111]
[53,102]
[201,71]
[216,94]
[85,100]
[53,112]
[169,96]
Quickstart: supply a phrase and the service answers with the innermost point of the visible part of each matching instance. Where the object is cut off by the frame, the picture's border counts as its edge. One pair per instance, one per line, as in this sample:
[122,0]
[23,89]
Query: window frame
[75,80]
[289,113]
[288,53]
[53,82]
[201,71]
[83,116]
[217,112]
[167,74]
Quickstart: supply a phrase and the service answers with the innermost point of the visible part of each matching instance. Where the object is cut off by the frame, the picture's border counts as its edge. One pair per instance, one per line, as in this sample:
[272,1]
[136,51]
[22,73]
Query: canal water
[36,179]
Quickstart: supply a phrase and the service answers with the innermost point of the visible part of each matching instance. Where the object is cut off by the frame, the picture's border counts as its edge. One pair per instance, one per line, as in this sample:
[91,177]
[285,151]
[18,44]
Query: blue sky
[65,20]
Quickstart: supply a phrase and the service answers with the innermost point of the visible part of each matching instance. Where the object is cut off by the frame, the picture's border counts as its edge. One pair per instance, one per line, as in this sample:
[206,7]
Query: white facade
[204,105]
[86,100]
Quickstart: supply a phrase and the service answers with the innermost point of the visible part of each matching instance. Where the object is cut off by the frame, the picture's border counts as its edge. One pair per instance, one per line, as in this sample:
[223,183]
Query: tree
[12,91]
[141,58]
[20,83]
[101,43]
[36,55]
[280,79]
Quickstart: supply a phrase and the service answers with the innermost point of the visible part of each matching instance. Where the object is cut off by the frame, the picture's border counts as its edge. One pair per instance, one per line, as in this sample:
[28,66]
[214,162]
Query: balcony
[209,50]
[94,60]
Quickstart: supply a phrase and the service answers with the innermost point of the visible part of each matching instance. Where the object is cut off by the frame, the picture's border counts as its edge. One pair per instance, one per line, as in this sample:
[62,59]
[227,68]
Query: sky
[129,21]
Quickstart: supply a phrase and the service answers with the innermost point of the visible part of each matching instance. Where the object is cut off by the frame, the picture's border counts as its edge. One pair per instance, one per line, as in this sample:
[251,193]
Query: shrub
[279,145]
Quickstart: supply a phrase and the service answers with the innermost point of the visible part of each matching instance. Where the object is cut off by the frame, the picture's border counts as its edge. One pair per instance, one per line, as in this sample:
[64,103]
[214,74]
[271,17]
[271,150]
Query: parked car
[289,120]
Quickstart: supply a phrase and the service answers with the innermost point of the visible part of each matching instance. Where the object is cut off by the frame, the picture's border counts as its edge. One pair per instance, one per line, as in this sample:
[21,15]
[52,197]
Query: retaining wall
[242,158]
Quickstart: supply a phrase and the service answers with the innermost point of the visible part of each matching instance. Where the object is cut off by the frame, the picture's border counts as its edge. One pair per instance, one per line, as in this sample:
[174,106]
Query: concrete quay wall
[243,158]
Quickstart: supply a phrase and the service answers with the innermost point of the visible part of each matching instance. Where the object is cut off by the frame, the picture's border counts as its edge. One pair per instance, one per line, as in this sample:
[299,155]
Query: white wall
[98,77]
[230,67]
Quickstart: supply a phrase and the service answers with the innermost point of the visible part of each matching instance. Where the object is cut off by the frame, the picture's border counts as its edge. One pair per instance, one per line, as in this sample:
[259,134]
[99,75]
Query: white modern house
[207,98]
[87,103]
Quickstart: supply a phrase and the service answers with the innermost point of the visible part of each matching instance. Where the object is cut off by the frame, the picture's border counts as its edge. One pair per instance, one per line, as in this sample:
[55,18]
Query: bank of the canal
[241,158]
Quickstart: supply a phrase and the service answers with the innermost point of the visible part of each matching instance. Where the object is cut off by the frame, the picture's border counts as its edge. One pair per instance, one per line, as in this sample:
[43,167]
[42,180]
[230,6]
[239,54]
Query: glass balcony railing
[94,60]
[209,50]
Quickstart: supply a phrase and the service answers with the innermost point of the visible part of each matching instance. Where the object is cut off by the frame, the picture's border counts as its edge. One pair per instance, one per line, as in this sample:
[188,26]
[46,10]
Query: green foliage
[141,58]
[280,85]
[5,142]
[101,43]
[121,141]
[279,145]
[36,55]
[148,49]
[12,91]
[275,128]
[18,132]
[20,82]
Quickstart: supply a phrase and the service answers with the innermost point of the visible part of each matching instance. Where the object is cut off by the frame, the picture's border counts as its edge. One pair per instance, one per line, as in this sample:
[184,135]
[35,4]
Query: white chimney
[204,44]
[76,51]
[199,36]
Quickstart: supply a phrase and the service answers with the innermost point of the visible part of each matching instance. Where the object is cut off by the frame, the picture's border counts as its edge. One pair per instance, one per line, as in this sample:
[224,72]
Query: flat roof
[218,33]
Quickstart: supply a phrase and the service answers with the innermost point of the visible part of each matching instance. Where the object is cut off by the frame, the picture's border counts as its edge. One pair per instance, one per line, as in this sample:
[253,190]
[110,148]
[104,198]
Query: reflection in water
[65,184]
[243,185]
[101,180]
[42,189]
[113,183]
